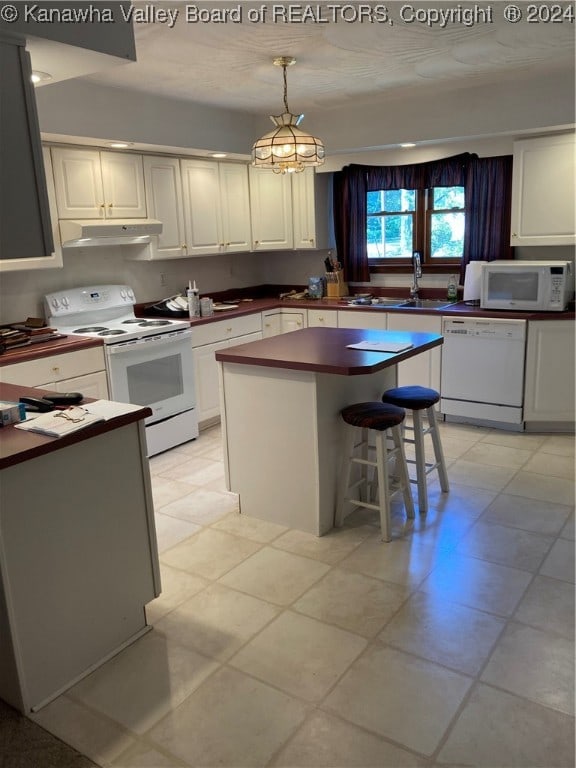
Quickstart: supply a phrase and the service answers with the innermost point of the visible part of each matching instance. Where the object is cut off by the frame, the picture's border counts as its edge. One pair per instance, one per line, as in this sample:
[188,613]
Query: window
[401,221]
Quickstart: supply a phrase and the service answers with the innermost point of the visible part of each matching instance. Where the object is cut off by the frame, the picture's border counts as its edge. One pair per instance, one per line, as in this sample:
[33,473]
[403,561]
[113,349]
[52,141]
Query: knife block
[335,285]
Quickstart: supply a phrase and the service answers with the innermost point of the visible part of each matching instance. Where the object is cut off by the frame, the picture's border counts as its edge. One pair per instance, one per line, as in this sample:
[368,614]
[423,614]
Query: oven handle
[174,337]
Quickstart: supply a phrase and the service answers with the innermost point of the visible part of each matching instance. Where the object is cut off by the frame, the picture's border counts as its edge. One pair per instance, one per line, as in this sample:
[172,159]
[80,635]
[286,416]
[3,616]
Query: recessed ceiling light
[38,76]
[407,145]
[120,144]
[219,154]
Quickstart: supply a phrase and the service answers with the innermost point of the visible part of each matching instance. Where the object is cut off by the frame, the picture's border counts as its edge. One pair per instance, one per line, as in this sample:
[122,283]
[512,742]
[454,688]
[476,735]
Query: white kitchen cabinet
[310,207]
[549,393]
[98,185]
[54,261]
[543,196]
[80,371]
[276,321]
[207,340]
[423,369]
[359,318]
[322,318]
[216,207]
[271,210]
[164,202]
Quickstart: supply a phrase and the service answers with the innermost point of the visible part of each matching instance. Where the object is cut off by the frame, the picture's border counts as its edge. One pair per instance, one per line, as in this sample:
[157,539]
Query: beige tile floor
[453,645]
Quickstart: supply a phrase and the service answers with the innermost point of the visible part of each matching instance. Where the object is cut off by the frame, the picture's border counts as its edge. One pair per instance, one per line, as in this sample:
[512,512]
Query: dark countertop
[324,350]
[261,304]
[17,446]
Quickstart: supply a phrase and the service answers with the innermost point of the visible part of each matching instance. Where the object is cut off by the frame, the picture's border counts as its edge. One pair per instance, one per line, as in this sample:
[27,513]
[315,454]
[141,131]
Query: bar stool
[382,421]
[418,399]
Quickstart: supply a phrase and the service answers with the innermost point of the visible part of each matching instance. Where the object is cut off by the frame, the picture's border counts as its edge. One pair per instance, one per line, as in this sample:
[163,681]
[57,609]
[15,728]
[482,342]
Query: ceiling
[339,58]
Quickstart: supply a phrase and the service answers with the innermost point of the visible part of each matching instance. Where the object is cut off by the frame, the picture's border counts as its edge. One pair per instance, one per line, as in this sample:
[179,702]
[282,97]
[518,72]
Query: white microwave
[538,286]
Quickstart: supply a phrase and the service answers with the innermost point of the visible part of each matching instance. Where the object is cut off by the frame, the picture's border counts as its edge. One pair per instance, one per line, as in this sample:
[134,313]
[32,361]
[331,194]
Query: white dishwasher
[483,371]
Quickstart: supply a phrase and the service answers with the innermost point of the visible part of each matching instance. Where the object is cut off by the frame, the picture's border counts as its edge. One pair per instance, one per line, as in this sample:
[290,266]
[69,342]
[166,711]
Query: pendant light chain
[285,88]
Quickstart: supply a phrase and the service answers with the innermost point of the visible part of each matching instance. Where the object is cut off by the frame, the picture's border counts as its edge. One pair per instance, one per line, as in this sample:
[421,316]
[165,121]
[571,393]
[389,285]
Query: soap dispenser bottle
[452,290]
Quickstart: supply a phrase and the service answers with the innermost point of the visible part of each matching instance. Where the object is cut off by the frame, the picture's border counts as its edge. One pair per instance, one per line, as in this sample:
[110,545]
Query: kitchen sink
[425,304]
[386,301]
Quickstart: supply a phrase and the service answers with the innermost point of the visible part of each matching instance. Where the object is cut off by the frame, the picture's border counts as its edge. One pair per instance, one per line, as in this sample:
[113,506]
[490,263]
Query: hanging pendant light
[287,149]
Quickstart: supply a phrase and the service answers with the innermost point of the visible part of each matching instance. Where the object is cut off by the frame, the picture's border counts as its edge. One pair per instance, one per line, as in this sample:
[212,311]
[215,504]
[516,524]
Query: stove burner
[153,323]
[91,329]
[111,332]
[133,320]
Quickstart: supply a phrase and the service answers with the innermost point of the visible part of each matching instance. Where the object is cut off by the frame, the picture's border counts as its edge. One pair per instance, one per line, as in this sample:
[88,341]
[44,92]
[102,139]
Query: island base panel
[282,435]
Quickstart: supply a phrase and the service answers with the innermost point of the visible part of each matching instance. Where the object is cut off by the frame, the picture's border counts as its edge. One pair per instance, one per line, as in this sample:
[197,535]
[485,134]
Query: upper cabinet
[98,185]
[216,207]
[310,207]
[289,211]
[271,210]
[543,198]
[164,202]
[25,224]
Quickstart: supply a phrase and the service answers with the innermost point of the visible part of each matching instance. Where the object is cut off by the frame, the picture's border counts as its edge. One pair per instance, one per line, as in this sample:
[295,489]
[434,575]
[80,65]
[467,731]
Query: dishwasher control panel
[487,329]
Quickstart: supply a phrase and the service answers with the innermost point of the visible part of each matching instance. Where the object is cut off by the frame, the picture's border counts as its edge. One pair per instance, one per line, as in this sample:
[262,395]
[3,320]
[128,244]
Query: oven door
[157,371]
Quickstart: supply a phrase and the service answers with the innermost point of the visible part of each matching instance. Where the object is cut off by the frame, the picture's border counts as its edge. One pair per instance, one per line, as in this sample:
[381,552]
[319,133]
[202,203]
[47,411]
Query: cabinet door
[91,385]
[322,318]
[362,319]
[201,190]
[549,391]
[271,324]
[304,213]
[78,183]
[123,181]
[423,369]
[292,321]
[543,197]
[164,202]
[235,207]
[206,380]
[271,210]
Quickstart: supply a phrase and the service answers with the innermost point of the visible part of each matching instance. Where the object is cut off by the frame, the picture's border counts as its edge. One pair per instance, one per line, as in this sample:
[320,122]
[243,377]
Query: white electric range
[148,361]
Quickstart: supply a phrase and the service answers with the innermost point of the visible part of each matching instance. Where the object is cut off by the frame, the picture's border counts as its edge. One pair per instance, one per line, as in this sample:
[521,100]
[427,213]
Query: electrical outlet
[162,279]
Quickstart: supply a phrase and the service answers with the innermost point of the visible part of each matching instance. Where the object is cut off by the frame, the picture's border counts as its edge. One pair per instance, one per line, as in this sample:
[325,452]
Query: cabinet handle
[102,205]
[110,205]
[320,319]
[183,245]
[256,242]
[312,240]
[298,322]
[228,330]
[514,234]
[267,325]
[56,370]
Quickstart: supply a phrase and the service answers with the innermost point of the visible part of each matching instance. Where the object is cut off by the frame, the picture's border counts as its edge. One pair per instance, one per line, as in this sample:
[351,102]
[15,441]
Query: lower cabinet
[322,318]
[549,383]
[81,371]
[206,341]
[276,321]
[423,369]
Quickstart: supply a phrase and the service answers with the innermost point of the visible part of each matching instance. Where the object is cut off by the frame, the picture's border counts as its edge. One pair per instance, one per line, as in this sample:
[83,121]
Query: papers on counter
[64,422]
[381,346]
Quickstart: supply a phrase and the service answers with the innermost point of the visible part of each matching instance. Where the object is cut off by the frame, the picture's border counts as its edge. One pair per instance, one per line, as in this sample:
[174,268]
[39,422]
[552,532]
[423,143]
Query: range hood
[87,233]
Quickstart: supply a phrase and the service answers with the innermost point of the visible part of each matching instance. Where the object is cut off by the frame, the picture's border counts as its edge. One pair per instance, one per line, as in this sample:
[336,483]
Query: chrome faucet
[417,266]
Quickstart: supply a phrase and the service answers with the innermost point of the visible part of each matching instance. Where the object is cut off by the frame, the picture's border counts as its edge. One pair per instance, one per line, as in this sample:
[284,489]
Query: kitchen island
[281,400]
[78,552]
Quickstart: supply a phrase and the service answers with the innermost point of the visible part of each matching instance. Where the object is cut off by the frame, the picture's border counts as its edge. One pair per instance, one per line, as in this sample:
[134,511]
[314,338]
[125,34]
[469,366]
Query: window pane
[391,201]
[448,197]
[447,235]
[390,237]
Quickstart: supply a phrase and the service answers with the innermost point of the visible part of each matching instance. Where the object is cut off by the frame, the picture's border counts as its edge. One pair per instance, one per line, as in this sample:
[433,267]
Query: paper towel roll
[473,280]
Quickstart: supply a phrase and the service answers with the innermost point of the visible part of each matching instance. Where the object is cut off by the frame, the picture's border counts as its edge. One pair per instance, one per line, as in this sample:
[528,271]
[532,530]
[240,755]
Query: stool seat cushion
[415,397]
[374,415]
